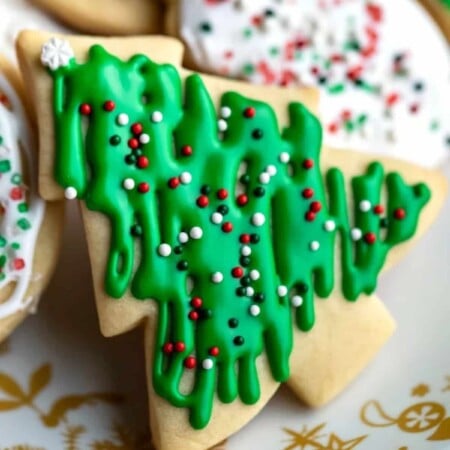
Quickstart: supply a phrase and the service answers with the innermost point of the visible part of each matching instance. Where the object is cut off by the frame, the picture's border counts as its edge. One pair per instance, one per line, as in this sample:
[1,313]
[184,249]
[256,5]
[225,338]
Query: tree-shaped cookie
[218,228]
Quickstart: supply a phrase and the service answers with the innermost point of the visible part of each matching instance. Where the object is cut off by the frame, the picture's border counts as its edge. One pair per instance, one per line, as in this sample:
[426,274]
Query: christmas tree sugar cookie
[107,17]
[29,229]
[214,217]
[381,91]
[440,10]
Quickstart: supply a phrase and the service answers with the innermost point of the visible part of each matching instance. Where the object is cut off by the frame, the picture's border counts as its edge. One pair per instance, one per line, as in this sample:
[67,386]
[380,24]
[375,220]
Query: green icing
[243,316]
[446,3]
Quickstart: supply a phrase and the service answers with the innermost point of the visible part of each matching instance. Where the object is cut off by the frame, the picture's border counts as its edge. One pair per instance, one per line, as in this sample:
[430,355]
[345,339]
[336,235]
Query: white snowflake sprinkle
[70,193]
[314,246]
[186,177]
[207,364]
[246,250]
[365,206]
[285,157]
[329,225]
[225,112]
[56,53]
[123,119]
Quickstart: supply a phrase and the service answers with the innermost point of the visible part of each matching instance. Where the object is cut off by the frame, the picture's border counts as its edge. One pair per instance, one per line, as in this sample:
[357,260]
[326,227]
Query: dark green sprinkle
[115,140]
[246,281]
[254,238]
[136,230]
[245,261]
[223,209]
[233,323]
[239,340]
[182,265]
[130,159]
[259,192]
[178,250]
[257,133]
[206,190]
[241,291]
[259,297]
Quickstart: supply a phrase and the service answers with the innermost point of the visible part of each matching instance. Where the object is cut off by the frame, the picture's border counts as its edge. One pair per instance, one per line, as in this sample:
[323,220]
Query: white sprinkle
[314,246]
[216,218]
[70,193]
[225,112]
[144,138]
[365,206]
[217,277]
[264,178]
[282,291]
[157,117]
[123,119]
[186,177]
[255,275]
[255,310]
[285,157]
[246,250]
[222,124]
[296,301]
[165,250]
[271,170]
[250,292]
[196,233]
[208,364]
[183,237]
[356,234]
[258,219]
[330,225]
[128,184]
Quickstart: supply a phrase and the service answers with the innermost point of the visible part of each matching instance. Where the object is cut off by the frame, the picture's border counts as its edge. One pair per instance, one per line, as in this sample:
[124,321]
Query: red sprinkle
[193,315]
[143,188]
[315,207]
[174,183]
[85,109]
[136,128]
[16,193]
[222,194]
[307,193]
[180,346]
[109,106]
[378,209]
[202,201]
[190,362]
[133,143]
[227,227]
[242,200]
[237,272]
[333,128]
[249,113]
[310,216]
[399,213]
[18,264]
[308,164]
[245,239]
[370,238]
[142,162]
[186,150]
[168,348]
[196,302]
[214,351]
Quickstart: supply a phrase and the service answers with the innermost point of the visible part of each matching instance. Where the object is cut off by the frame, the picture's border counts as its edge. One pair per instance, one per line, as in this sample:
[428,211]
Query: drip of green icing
[238,318]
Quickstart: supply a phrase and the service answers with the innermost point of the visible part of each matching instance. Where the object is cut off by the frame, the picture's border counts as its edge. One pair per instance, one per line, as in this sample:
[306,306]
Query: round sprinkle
[233,323]
[249,112]
[207,364]
[70,193]
[329,225]
[186,177]
[314,246]
[217,277]
[296,301]
[264,178]
[180,346]
[217,218]
[222,124]
[157,117]
[246,250]
[183,237]
[370,238]
[190,362]
[239,340]
[109,105]
[257,134]
[399,214]
[255,310]
[365,206]
[356,234]
[123,119]
[165,250]
[255,275]
[129,184]
[271,170]
[258,219]
[249,291]
[285,157]
[196,233]
[225,112]
[144,138]
[282,291]
[214,351]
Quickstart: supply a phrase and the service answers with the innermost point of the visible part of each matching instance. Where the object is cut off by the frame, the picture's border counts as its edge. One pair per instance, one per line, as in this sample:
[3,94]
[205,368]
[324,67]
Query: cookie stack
[218,208]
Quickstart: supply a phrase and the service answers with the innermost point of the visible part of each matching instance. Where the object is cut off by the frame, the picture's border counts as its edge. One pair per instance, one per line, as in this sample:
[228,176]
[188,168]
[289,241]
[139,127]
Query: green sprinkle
[2,260]
[5,166]
[22,207]
[23,224]
[15,246]
[248,32]
[435,125]
[2,276]
[206,27]
[3,241]
[362,119]
[274,51]
[349,126]
[336,88]
[248,69]
[16,179]
[1,140]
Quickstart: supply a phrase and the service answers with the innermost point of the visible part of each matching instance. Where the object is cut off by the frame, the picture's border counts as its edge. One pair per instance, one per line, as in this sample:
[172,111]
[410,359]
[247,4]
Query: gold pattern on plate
[447,387]
[420,390]
[314,439]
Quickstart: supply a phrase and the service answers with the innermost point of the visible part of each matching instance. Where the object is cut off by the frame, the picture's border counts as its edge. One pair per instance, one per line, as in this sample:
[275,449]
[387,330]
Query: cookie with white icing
[29,229]
[213,216]
[107,17]
[383,90]
[440,10]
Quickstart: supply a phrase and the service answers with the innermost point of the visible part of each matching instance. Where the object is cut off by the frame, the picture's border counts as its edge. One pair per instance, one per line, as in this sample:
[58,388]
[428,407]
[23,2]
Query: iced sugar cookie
[383,88]
[29,229]
[440,10]
[212,216]
[107,17]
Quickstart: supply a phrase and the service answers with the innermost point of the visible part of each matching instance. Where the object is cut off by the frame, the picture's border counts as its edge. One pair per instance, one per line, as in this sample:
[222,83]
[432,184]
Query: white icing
[327,24]
[16,147]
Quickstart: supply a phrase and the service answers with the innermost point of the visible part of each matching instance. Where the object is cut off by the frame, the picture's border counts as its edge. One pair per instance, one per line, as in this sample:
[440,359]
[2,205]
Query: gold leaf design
[39,380]
[124,439]
[69,403]
[71,437]
[9,405]
[23,447]
[443,431]
[10,387]
[420,390]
